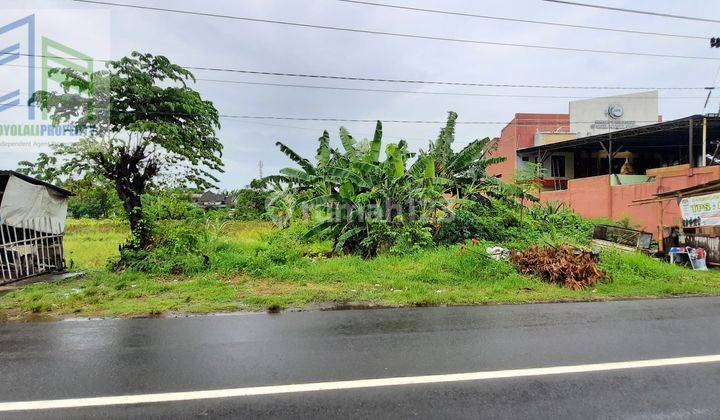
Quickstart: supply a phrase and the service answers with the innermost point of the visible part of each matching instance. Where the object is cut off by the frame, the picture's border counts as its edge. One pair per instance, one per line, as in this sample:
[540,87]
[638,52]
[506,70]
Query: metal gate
[30,250]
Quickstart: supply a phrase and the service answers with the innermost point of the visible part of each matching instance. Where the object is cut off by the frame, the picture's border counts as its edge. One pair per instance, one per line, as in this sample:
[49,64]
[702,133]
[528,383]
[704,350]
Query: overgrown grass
[253,267]
[89,244]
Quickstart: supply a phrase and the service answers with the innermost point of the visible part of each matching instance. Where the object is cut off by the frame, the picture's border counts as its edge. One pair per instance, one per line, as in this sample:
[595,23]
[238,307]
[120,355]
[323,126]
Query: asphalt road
[104,358]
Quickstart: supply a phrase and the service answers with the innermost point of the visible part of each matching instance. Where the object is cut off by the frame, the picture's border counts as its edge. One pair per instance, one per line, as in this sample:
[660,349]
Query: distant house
[211,200]
[32,225]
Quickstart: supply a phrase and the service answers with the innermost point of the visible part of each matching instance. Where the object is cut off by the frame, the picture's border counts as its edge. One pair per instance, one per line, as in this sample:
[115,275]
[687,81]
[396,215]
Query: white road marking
[351,384]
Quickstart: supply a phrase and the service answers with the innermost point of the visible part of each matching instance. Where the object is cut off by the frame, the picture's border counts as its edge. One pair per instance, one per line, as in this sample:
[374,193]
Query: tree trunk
[132,203]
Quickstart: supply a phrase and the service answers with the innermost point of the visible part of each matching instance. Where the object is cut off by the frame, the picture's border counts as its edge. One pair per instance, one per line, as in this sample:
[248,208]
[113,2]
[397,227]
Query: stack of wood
[571,267]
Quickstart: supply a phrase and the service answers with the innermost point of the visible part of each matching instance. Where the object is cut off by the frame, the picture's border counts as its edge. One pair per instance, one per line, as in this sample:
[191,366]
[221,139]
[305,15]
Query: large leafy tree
[143,124]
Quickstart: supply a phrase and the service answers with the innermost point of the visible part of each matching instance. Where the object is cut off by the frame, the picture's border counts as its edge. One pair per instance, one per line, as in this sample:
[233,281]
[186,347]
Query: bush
[171,205]
[398,238]
[492,221]
[95,202]
[250,204]
[559,220]
[180,248]
[499,222]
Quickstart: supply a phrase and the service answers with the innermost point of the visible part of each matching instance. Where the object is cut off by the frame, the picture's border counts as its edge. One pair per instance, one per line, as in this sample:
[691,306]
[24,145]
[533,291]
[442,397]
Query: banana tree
[467,169]
[368,202]
[370,198]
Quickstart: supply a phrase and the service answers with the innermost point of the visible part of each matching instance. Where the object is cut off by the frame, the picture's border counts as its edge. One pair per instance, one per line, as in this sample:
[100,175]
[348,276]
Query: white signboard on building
[589,117]
[703,210]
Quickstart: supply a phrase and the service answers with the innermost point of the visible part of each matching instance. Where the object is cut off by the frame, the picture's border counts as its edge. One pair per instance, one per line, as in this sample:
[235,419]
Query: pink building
[619,166]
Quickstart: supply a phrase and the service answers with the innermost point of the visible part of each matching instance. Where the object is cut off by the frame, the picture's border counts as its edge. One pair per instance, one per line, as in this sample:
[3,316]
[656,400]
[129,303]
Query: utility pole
[714,43]
[260,168]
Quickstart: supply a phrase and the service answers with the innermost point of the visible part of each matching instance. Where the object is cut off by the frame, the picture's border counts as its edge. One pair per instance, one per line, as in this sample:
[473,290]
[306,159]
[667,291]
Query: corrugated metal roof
[663,131]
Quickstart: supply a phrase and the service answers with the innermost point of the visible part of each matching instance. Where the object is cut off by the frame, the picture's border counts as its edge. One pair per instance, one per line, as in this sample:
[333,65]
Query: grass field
[252,267]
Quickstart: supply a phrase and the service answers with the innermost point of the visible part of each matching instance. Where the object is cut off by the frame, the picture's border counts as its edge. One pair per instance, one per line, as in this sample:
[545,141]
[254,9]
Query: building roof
[210,197]
[34,181]
[664,134]
[700,189]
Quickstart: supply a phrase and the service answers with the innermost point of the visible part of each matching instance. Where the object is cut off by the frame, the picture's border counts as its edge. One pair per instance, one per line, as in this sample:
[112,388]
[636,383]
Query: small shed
[32,226]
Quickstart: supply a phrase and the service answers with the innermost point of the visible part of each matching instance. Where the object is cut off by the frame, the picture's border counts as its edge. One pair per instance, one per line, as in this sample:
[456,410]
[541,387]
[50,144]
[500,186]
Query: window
[557,166]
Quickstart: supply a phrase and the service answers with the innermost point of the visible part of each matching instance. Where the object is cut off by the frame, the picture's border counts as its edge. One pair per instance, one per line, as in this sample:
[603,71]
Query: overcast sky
[212,42]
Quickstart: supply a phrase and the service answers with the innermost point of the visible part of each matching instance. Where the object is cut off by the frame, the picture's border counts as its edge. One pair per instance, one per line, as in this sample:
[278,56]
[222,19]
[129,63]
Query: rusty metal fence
[30,250]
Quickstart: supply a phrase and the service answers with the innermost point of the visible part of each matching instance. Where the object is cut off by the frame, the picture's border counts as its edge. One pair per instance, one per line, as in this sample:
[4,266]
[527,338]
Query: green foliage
[95,198]
[491,221]
[373,206]
[561,220]
[249,203]
[368,205]
[407,238]
[145,124]
[466,170]
[527,180]
[179,248]
[171,204]
[253,267]
[623,222]
[501,223]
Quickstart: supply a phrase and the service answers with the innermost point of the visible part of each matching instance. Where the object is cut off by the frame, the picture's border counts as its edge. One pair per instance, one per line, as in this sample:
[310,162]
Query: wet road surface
[78,359]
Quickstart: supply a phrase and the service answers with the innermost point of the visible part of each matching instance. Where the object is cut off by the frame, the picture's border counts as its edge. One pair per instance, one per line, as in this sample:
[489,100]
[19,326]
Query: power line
[320,130]
[402,35]
[533,122]
[641,12]
[491,95]
[537,22]
[402,81]
[528,121]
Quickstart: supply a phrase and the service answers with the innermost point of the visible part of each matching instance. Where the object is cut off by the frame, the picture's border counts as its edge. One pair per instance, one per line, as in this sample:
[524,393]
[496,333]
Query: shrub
[250,204]
[95,201]
[491,221]
[499,222]
[179,248]
[171,205]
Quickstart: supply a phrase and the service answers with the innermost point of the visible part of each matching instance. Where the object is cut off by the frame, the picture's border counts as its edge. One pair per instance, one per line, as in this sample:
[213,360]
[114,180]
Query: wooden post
[62,247]
[34,247]
[691,152]
[661,239]
[14,255]
[51,246]
[6,266]
[682,225]
[26,234]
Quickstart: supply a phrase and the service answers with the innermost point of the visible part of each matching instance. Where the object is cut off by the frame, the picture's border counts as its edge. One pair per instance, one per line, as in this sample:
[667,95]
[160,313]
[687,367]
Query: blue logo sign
[22,35]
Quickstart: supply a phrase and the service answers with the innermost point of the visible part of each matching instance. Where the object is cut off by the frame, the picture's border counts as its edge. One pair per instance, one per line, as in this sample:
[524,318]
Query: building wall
[520,133]
[589,117]
[550,138]
[595,197]
[569,165]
